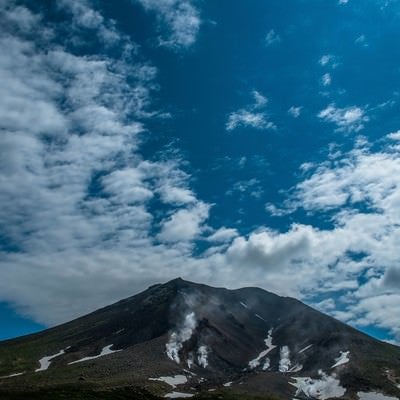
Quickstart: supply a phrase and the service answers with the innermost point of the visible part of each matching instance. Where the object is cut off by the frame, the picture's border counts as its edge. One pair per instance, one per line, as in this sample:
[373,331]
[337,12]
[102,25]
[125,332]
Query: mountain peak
[200,336]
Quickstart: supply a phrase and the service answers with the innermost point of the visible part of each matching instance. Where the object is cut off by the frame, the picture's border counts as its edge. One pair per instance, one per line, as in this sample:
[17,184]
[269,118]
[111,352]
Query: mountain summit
[182,339]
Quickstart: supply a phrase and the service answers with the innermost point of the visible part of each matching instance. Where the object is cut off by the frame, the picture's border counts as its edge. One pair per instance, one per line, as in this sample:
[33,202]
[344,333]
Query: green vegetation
[128,393]
[70,393]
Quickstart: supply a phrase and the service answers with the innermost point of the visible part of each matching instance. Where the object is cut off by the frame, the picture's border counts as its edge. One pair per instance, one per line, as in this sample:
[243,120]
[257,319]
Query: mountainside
[182,339]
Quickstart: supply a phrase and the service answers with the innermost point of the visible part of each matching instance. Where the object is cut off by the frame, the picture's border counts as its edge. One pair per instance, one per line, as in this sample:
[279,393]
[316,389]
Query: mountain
[183,339]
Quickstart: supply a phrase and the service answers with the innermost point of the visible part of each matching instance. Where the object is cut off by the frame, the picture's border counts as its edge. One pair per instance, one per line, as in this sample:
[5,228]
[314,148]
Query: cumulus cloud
[181,18]
[348,119]
[75,191]
[223,235]
[252,116]
[185,224]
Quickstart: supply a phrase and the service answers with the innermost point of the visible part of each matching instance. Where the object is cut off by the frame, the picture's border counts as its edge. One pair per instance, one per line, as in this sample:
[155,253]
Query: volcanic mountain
[183,339]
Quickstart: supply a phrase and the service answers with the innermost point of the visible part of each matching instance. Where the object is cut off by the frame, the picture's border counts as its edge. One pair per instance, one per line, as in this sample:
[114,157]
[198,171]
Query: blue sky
[231,143]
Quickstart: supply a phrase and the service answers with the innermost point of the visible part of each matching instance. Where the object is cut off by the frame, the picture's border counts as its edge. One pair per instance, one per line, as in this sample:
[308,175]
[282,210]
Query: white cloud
[362,192]
[272,38]
[348,119]
[326,59]
[223,235]
[248,119]
[181,18]
[74,201]
[20,17]
[252,116]
[251,187]
[394,135]
[295,111]
[260,100]
[185,224]
[326,79]
[361,40]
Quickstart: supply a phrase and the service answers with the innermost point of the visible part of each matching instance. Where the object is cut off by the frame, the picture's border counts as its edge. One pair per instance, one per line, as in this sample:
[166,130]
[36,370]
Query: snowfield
[177,395]
[46,361]
[173,381]
[12,375]
[104,352]
[342,359]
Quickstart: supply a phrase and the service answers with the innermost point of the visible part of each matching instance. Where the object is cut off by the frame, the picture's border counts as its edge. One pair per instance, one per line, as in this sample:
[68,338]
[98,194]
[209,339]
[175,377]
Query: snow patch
[342,359]
[296,368]
[12,375]
[244,305]
[374,396]
[227,384]
[323,388]
[177,395]
[268,343]
[284,362]
[104,352]
[202,356]
[177,339]
[173,381]
[260,317]
[46,361]
[305,348]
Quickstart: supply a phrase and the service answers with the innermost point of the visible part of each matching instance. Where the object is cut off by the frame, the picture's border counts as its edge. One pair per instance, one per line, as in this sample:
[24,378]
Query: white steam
[190,361]
[202,356]
[179,337]
[323,388]
[284,362]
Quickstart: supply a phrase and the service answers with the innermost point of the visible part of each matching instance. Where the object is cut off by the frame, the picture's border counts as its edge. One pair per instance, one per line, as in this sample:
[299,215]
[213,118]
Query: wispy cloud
[347,119]
[251,187]
[295,111]
[252,116]
[180,18]
[272,38]
[326,79]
